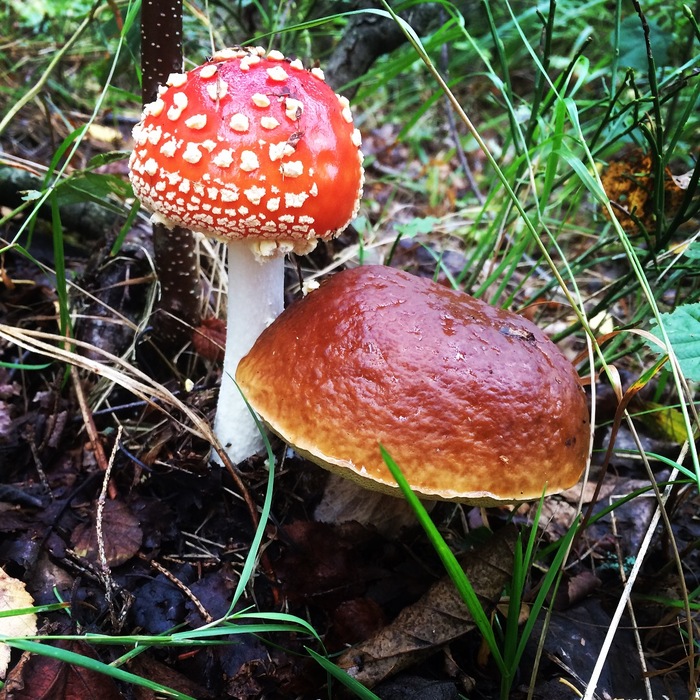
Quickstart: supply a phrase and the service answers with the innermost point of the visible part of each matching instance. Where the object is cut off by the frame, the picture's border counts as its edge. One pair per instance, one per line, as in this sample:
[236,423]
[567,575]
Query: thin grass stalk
[60,267]
[655,137]
[592,181]
[449,561]
[607,117]
[510,642]
[624,598]
[673,136]
[546,49]
[617,34]
[520,145]
[563,79]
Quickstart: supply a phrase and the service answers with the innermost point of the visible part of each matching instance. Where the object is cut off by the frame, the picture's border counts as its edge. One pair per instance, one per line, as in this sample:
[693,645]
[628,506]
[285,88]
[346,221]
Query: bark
[175,252]
[369,36]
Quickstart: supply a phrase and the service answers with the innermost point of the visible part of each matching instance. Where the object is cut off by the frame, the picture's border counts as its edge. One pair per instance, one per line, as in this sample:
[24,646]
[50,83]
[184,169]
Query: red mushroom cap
[249,145]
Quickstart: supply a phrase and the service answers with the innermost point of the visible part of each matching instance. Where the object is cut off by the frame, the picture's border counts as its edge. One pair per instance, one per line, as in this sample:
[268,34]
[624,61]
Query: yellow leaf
[14,596]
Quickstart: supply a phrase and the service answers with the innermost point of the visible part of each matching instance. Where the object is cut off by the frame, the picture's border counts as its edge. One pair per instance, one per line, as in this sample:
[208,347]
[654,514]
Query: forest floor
[86,463]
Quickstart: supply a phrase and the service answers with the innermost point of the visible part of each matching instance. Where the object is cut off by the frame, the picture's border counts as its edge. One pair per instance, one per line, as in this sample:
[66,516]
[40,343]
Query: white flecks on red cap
[196,121]
[204,143]
[239,122]
[260,100]
[176,80]
[208,71]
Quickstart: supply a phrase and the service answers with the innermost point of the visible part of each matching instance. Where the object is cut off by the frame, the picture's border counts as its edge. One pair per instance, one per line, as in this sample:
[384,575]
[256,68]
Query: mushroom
[255,150]
[474,403]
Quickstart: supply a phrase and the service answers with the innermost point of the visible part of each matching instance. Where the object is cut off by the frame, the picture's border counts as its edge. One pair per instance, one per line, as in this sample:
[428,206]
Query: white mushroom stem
[345,500]
[255,299]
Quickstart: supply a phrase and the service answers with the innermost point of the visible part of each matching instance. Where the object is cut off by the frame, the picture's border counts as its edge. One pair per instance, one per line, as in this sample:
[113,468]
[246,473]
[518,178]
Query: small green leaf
[693,251]
[31,195]
[683,329]
[633,50]
[417,226]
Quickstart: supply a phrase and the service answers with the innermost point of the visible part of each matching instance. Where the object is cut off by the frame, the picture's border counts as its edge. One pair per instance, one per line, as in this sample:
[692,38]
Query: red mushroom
[253,149]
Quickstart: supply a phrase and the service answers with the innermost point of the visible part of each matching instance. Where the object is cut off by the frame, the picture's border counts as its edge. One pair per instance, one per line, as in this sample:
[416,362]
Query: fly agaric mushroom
[255,150]
[474,403]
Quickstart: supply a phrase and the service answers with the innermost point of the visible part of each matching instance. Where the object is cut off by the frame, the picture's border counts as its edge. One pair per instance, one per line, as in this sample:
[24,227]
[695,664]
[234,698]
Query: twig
[99,519]
[186,591]
[91,428]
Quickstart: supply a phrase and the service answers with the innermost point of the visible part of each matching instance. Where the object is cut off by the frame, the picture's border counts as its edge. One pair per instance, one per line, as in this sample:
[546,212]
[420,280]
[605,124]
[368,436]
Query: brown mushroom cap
[474,403]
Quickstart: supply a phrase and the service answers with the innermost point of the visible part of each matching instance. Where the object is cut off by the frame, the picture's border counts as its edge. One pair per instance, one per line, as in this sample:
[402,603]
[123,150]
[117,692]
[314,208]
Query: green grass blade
[455,571]
[549,583]
[71,657]
[340,675]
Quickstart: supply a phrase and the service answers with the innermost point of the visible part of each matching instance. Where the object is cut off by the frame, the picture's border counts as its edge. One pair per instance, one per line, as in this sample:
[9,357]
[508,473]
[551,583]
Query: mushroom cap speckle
[249,145]
[474,403]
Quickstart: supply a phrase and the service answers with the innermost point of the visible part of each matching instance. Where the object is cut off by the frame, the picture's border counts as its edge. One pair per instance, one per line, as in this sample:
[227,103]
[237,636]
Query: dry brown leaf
[209,339]
[438,618]
[573,494]
[45,678]
[146,666]
[122,535]
[14,596]
[105,135]
[629,183]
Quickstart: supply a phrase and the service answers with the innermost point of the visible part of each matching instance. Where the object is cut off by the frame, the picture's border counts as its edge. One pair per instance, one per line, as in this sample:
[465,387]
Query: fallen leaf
[14,596]
[629,182]
[146,666]
[39,677]
[209,339]
[105,134]
[439,617]
[122,535]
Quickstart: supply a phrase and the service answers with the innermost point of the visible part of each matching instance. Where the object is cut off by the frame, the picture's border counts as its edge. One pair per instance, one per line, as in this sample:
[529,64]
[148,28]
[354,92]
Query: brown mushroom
[256,150]
[474,403]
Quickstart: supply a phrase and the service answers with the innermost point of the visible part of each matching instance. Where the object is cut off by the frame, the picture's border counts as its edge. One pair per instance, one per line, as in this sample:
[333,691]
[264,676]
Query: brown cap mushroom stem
[474,403]
[255,150]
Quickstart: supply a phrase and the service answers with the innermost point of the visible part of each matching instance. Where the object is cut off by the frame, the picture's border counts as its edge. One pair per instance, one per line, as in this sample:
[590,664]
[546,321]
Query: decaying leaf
[209,339]
[438,618]
[146,666]
[14,596]
[122,535]
[39,677]
[629,183]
